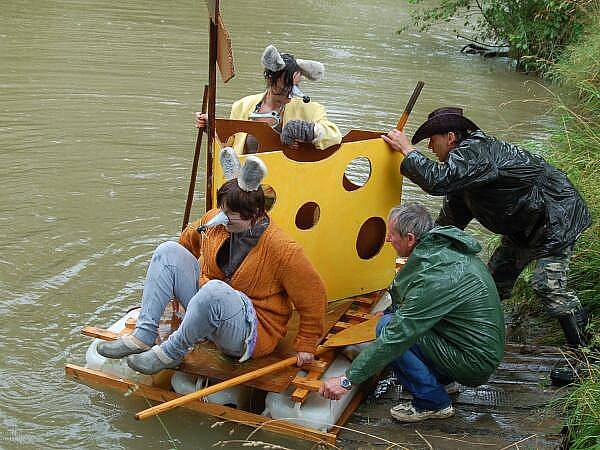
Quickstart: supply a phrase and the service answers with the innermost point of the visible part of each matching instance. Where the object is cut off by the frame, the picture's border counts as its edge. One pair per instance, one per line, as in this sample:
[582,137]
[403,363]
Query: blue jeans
[216,311]
[417,374]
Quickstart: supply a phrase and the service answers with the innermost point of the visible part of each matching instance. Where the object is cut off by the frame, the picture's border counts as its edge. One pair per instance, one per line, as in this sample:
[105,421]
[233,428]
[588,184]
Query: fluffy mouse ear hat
[253,172]
[249,175]
[313,70]
[274,61]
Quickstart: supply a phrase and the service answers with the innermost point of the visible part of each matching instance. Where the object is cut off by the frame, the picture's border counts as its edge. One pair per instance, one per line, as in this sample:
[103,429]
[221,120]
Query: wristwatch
[345,383]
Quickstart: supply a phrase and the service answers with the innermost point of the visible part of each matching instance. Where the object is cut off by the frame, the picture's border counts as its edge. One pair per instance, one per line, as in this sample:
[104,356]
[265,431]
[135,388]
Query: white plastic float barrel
[236,397]
[317,412]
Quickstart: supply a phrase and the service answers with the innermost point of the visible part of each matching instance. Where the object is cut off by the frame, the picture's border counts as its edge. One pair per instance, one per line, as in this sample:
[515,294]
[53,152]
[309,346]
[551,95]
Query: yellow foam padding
[331,243]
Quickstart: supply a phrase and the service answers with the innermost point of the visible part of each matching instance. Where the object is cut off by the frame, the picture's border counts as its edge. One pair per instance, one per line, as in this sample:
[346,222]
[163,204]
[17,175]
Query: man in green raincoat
[445,323]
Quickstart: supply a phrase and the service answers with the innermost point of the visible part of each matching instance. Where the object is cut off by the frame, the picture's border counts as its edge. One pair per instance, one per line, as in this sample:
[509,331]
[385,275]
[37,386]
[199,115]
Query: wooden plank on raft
[207,361]
[222,412]
[341,325]
[107,335]
[363,304]
[99,333]
[317,365]
[301,393]
[363,300]
[307,383]
[358,315]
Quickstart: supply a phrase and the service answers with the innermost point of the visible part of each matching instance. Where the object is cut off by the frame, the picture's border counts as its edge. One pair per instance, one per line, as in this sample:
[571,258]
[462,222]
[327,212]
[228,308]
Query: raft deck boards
[340,315]
[206,360]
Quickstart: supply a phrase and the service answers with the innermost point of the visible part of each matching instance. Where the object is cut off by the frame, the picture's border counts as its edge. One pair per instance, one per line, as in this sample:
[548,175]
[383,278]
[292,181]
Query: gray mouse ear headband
[272,60]
[249,175]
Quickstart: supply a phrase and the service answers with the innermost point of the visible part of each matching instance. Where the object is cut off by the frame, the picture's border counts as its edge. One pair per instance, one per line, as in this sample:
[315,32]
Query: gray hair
[411,218]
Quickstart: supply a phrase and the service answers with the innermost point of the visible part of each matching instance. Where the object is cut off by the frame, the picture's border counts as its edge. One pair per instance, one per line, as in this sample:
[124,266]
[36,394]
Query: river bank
[574,147]
[576,150]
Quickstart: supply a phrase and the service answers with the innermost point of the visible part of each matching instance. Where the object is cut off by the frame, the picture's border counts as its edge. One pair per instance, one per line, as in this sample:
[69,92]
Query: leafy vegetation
[576,150]
[535,30]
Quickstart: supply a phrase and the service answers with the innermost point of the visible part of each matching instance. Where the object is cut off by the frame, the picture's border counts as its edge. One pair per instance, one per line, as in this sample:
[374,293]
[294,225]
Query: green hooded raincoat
[447,303]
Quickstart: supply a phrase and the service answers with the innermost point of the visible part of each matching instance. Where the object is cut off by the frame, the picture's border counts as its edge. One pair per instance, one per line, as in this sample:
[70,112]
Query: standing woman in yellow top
[283,106]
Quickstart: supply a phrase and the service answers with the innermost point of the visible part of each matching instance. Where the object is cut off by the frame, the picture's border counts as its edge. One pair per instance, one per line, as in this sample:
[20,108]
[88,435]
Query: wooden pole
[190,195]
[409,106]
[271,368]
[212,92]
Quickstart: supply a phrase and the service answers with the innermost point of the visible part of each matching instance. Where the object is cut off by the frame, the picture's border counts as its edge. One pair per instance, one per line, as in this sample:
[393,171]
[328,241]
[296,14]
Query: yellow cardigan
[326,132]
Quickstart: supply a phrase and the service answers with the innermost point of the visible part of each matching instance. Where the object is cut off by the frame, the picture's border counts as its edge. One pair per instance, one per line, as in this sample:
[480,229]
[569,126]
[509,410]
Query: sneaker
[152,361]
[124,346]
[451,388]
[230,163]
[406,412]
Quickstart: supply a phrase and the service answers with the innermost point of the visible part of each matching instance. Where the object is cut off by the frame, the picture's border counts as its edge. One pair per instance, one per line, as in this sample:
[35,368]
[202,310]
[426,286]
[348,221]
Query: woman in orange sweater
[237,280]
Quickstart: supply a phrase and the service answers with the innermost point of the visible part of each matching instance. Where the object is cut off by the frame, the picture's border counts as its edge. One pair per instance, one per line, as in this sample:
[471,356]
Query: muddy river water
[96,141]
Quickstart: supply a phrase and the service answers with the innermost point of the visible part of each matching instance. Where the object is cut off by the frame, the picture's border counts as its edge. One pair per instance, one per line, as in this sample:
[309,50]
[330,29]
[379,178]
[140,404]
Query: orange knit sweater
[274,275]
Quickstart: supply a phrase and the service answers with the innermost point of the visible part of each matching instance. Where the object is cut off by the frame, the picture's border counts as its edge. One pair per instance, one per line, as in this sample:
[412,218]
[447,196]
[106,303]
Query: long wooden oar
[409,106]
[355,334]
[190,196]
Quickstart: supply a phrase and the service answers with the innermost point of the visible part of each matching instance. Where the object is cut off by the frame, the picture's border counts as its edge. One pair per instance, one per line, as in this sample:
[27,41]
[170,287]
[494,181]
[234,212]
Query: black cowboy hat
[443,120]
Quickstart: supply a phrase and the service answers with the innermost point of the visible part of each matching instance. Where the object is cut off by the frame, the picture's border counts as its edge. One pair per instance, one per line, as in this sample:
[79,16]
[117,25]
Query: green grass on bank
[583,408]
[576,150]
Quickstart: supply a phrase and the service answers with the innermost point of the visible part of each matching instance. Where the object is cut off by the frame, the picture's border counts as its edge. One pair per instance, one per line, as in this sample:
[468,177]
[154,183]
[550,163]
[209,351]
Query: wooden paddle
[213,37]
[356,334]
[409,106]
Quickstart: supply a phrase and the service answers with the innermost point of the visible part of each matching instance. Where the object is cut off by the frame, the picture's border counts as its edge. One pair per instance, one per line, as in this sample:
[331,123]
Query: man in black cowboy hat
[511,192]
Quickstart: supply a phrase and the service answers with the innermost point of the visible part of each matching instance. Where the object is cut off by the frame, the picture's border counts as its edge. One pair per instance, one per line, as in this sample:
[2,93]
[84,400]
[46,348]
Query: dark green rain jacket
[447,303]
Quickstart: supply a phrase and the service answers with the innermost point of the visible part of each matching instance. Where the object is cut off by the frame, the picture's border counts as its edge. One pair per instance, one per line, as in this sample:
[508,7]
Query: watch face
[346,383]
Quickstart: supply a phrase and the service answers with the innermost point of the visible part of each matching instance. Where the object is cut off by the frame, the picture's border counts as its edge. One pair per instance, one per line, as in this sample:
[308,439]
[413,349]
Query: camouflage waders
[549,278]
[550,285]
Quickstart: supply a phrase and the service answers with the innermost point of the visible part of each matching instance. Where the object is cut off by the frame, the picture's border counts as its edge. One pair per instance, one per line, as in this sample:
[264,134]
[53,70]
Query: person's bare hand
[201,120]
[332,389]
[398,141]
[304,357]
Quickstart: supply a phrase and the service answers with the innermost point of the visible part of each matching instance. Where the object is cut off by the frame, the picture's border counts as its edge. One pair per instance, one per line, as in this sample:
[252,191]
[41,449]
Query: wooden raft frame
[356,312]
